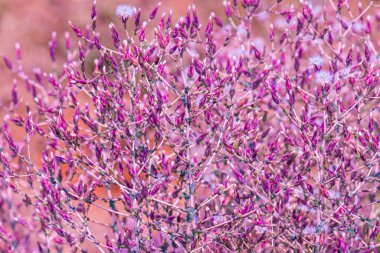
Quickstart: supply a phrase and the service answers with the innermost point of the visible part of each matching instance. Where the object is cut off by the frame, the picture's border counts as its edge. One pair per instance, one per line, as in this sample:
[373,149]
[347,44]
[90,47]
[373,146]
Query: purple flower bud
[115,35]
[190,71]
[296,64]
[173,49]
[195,18]
[39,130]
[53,45]
[29,126]
[209,28]
[300,25]
[93,11]
[306,12]
[18,52]
[76,30]
[137,19]
[7,62]
[97,42]
[349,57]
[61,121]
[367,52]
[188,18]
[14,93]
[271,32]
[18,120]
[198,66]
[283,37]
[238,175]
[227,7]
[169,20]
[331,146]
[257,53]
[142,34]
[4,160]
[217,20]
[11,143]
[155,189]
[67,40]
[368,27]
[154,12]
[370,123]
[161,24]
[53,81]
[127,200]
[58,240]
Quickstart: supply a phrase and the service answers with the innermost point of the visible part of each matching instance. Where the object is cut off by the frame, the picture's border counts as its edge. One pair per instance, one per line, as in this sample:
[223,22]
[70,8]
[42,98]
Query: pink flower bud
[349,57]
[14,93]
[77,31]
[367,52]
[53,45]
[271,33]
[18,51]
[7,62]
[196,23]
[227,8]
[370,123]
[154,12]
[137,19]
[115,35]
[217,20]
[67,41]
[93,10]
[142,34]
[173,49]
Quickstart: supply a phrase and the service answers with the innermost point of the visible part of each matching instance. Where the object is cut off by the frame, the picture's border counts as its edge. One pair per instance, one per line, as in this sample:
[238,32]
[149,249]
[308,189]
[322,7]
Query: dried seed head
[124,11]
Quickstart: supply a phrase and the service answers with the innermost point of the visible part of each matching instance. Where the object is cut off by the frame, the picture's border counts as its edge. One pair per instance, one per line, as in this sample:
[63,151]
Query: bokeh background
[31,22]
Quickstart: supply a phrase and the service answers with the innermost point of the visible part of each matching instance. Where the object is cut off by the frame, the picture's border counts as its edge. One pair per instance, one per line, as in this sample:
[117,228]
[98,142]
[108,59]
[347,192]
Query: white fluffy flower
[334,194]
[316,60]
[323,77]
[241,30]
[358,26]
[124,10]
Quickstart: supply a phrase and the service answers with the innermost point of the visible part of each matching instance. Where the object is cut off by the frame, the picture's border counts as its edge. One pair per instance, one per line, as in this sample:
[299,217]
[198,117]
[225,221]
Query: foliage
[191,138]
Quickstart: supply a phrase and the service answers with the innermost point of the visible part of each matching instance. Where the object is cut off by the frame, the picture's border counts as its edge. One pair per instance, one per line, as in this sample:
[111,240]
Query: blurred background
[31,23]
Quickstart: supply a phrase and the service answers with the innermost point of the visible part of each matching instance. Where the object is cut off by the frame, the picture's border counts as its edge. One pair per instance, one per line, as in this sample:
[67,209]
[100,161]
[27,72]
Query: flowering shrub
[191,138]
